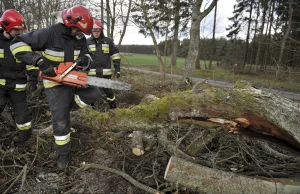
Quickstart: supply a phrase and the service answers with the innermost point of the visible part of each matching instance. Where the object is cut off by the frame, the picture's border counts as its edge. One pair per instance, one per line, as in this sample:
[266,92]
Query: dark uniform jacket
[103,51]
[13,72]
[56,44]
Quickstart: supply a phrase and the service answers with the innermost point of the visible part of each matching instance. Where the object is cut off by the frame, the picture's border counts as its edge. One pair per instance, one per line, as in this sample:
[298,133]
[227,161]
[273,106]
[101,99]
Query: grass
[151,60]
[287,83]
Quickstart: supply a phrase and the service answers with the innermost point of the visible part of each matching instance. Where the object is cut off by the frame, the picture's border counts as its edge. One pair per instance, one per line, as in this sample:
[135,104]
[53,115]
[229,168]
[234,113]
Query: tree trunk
[254,38]
[197,64]
[286,34]
[267,113]
[213,41]
[149,27]
[248,35]
[108,19]
[257,59]
[210,180]
[125,23]
[102,12]
[176,31]
[197,17]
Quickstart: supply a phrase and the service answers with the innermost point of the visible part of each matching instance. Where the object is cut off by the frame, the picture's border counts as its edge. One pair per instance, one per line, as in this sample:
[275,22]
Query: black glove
[117,71]
[46,69]
[33,85]
[86,60]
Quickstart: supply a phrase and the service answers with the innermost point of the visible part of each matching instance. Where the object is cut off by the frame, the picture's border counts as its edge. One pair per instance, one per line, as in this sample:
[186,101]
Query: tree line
[263,33]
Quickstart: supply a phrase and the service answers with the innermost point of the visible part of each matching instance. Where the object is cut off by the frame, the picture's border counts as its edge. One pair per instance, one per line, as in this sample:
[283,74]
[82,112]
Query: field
[266,80]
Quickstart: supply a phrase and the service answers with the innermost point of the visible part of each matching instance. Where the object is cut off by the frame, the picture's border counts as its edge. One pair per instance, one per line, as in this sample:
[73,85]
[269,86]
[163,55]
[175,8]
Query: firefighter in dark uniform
[104,50]
[13,76]
[60,42]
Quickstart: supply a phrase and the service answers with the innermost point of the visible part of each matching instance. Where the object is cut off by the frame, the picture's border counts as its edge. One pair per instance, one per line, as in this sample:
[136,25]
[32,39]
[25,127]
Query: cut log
[210,180]
[137,143]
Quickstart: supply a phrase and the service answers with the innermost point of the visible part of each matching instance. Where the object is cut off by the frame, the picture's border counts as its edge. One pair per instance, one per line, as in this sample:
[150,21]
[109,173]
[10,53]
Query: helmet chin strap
[7,34]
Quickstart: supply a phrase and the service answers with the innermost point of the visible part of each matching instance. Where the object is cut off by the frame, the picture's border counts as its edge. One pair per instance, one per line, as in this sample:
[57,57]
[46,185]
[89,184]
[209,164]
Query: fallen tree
[266,113]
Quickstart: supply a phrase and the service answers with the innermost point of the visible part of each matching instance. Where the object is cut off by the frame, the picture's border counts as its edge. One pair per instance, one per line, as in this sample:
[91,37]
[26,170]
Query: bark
[197,17]
[210,180]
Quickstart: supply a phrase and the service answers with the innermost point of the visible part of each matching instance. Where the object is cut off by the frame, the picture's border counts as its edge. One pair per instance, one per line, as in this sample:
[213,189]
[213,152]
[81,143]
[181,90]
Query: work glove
[117,72]
[86,60]
[46,69]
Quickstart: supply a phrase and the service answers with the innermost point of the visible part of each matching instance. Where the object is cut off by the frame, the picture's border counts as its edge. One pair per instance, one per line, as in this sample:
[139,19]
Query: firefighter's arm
[23,46]
[116,58]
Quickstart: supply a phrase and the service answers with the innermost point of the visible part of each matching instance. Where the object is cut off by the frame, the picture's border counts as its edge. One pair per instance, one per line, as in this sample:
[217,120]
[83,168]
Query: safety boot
[22,136]
[63,161]
[112,104]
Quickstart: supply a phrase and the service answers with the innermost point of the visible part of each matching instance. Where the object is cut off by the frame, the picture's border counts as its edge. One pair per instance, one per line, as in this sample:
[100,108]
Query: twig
[122,174]
[36,151]
[23,177]
[17,178]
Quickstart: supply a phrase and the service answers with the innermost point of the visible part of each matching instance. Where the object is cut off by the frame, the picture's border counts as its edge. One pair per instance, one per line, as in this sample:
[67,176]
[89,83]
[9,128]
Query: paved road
[290,95]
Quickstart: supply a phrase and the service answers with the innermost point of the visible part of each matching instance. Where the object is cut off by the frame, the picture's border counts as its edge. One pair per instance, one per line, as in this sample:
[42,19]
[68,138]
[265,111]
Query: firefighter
[13,76]
[104,50]
[60,42]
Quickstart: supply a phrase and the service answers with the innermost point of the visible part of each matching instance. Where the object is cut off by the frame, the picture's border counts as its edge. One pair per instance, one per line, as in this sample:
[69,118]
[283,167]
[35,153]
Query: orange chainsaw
[71,74]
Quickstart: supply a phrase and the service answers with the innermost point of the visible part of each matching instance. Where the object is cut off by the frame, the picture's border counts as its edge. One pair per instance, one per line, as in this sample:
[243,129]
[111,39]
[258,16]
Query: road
[286,94]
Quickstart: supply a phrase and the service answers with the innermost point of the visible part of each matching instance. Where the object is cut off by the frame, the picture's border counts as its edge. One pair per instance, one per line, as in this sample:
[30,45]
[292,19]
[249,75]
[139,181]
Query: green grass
[151,60]
[287,83]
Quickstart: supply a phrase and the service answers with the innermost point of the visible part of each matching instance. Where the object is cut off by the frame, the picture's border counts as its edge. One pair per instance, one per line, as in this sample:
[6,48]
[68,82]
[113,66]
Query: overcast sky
[225,8]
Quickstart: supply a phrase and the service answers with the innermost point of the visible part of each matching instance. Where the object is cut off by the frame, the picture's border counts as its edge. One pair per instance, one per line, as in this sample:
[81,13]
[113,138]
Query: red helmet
[12,19]
[78,16]
[97,24]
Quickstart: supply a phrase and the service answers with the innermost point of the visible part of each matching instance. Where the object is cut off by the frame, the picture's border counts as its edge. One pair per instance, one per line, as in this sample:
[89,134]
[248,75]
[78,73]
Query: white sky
[225,9]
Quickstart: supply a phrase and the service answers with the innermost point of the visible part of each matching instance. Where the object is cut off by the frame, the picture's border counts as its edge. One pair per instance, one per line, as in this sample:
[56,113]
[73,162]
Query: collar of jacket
[4,37]
[67,33]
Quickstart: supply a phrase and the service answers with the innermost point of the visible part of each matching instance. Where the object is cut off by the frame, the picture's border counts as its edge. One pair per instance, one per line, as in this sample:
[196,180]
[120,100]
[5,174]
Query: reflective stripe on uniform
[1,53]
[49,84]
[53,55]
[31,67]
[92,47]
[79,102]
[116,56]
[105,48]
[62,140]
[20,87]
[2,82]
[76,54]
[19,47]
[25,126]
[107,72]
[111,99]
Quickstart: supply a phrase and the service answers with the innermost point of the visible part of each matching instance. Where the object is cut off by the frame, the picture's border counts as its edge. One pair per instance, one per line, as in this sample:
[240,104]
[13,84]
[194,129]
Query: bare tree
[197,17]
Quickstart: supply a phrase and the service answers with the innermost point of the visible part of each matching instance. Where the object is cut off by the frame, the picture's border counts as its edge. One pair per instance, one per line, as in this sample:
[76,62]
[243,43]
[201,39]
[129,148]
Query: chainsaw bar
[107,83]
